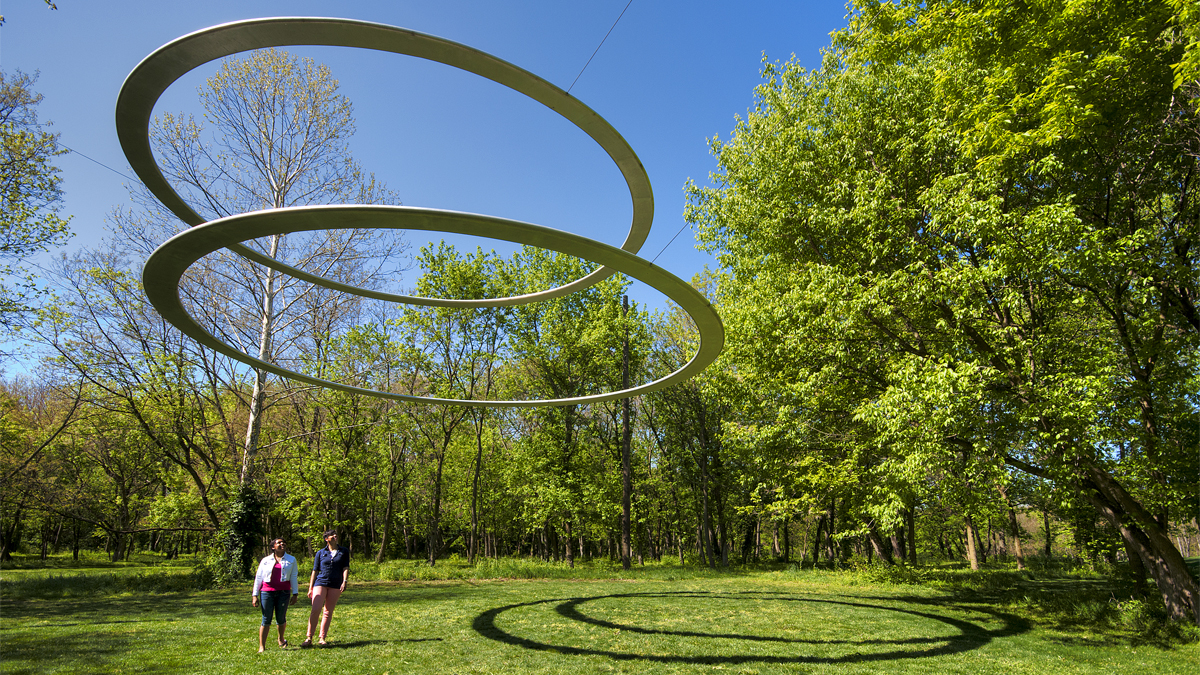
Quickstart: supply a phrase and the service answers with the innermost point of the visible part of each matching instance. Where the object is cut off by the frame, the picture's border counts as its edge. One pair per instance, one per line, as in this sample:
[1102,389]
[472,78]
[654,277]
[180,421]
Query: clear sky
[671,75]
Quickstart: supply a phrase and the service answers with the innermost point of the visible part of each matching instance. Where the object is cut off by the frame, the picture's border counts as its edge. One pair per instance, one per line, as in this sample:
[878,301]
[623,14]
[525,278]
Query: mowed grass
[757,622]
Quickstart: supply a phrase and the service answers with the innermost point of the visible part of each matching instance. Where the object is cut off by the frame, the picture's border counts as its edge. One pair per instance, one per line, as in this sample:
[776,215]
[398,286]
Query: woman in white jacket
[274,582]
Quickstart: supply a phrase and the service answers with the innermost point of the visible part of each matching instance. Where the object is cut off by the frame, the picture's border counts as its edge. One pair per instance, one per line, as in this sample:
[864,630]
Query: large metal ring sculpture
[168,263]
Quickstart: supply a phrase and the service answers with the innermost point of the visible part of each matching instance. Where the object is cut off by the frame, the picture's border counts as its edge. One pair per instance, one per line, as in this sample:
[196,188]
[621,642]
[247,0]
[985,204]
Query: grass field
[661,620]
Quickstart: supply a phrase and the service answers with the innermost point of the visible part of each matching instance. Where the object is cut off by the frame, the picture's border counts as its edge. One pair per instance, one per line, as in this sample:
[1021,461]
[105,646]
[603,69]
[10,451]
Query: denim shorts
[274,602]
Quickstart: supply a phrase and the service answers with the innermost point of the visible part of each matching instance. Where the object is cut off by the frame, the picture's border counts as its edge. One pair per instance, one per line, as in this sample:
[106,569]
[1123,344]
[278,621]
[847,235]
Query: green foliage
[1187,21]
[101,584]
[30,195]
[238,542]
[967,240]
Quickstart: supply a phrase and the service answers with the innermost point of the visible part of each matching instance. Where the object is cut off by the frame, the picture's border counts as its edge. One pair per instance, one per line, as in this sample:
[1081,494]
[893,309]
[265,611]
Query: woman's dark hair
[328,534]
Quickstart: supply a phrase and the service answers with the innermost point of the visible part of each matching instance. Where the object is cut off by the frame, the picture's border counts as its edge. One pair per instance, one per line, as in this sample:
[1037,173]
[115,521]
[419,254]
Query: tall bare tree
[278,136]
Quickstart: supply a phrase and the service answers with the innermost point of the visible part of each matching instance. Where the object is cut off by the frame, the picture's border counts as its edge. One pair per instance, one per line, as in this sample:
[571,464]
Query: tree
[977,215]
[450,353]
[280,137]
[30,195]
[685,422]
[564,348]
[137,367]
[33,420]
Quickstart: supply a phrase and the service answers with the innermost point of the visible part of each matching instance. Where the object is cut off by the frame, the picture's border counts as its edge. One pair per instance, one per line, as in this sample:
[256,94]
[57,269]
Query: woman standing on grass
[331,570]
[275,588]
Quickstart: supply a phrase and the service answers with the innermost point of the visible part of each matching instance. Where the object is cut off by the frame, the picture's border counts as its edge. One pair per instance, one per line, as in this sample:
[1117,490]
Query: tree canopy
[971,234]
[30,195]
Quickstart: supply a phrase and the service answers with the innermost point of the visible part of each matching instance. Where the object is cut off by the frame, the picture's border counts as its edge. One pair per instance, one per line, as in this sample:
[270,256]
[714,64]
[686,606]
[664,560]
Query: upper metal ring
[166,266]
[156,72]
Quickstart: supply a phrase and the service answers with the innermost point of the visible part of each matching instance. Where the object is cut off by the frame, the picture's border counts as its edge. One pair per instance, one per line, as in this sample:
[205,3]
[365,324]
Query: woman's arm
[312,579]
[258,580]
[346,572]
[294,579]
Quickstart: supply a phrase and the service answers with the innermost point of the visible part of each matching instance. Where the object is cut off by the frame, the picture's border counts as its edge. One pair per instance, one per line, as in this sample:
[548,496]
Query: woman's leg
[265,603]
[318,601]
[331,599]
[281,608]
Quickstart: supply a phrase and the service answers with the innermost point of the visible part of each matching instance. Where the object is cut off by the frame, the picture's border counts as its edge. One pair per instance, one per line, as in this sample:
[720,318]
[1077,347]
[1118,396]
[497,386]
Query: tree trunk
[816,549]
[748,542]
[434,539]
[899,550]
[805,539]
[830,528]
[567,542]
[1143,533]
[705,519]
[1014,529]
[475,488]
[389,511]
[722,543]
[258,396]
[678,523]
[972,543]
[787,540]
[1046,528]
[626,439]
[1014,532]
[877,545]
[911,520]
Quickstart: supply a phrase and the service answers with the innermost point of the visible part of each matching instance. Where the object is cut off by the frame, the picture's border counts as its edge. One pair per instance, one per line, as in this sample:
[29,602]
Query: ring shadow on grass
[363,643]
[971,636]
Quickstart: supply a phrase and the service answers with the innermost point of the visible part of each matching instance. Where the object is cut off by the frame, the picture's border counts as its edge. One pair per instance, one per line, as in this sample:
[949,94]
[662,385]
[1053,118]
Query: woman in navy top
[331,569]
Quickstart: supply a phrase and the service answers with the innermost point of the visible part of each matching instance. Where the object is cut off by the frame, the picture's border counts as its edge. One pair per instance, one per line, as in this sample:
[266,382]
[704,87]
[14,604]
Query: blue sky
[671,75]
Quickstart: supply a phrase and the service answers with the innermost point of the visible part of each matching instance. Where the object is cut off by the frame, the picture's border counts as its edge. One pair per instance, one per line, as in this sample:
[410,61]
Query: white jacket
[288,571]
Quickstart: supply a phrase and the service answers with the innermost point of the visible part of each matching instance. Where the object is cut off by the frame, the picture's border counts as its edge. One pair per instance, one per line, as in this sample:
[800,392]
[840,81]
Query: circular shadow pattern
[969,635]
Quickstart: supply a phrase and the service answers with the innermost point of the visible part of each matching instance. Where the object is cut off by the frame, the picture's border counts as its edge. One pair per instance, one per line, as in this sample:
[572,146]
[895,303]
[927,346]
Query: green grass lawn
[748,622]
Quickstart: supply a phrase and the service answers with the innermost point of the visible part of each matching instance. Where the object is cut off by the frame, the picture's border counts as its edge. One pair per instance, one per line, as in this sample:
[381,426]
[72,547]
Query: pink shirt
[276,583]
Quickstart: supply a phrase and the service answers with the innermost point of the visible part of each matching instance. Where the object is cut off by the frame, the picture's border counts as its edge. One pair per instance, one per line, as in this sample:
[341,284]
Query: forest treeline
[958,275]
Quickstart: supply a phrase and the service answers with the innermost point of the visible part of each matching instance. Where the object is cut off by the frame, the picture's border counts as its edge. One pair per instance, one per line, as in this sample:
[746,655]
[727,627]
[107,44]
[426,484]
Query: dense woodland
[958,275]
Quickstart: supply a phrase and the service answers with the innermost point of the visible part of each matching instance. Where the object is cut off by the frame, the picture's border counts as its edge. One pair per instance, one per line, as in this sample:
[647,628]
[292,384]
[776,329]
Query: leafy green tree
[686,423]
[970,226]
[30,195]
[565,348]
[177,395]
[472,276]
[449,353]
[34,416]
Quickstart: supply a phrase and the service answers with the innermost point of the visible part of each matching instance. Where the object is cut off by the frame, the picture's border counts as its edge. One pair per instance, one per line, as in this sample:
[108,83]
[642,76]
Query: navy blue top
[329,566]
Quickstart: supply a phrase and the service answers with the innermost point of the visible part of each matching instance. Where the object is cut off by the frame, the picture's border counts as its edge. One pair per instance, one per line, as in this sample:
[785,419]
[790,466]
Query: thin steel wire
[589,61]
[95,161]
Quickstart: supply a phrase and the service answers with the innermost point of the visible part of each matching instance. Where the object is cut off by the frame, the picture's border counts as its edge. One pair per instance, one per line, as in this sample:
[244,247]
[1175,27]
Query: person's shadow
[969,635]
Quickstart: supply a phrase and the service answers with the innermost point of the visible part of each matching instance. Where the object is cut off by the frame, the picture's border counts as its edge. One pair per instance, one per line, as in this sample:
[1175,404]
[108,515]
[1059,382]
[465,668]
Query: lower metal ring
[168,263]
